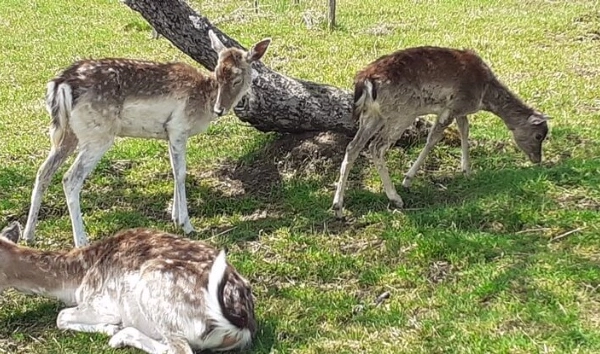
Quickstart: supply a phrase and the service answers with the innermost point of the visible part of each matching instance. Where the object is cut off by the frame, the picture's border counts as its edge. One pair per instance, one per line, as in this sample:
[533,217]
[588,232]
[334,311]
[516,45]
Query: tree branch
[276,102]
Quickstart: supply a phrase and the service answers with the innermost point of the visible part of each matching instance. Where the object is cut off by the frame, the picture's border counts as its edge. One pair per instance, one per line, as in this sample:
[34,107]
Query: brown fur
[88,269]
[392,91]
[115,79]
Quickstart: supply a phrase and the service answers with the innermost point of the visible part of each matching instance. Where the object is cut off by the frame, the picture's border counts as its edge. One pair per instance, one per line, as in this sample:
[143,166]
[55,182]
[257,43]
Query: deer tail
[59,103]
[365,94]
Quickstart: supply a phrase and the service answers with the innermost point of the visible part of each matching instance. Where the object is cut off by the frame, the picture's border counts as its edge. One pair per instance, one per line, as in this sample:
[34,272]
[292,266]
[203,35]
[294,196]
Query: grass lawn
[475,265]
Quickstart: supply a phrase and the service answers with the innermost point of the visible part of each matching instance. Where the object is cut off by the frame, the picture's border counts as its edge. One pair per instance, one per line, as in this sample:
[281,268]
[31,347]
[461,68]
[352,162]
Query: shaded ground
[295,155]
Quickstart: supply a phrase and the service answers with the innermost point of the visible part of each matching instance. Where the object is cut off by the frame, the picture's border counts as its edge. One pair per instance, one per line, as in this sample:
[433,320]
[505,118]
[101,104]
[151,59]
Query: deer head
[11,232]
[8,237]
[234,72]
[530,135]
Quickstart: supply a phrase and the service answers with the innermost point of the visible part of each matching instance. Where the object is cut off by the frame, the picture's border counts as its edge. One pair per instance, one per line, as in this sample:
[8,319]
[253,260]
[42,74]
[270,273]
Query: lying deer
[94,101]
[146,289]
[391,92]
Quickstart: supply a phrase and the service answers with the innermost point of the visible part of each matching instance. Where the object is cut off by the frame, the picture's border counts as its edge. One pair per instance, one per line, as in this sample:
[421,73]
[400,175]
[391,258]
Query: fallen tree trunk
[276,102]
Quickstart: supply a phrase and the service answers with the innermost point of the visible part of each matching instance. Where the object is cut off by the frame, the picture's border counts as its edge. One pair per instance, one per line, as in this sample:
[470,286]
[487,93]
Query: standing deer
[146,289]
[391,92]
[94,101]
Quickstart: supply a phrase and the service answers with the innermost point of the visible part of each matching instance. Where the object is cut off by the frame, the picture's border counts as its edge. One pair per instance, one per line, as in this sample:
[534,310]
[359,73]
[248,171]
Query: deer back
[425,80]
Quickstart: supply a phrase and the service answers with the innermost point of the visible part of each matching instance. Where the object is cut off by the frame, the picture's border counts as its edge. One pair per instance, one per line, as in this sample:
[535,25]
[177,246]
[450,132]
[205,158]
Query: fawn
[146,289]
[392,91]
[94,101]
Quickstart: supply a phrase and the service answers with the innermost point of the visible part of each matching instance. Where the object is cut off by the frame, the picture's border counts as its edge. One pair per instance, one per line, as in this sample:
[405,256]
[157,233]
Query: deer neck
[46,273]
[499,100]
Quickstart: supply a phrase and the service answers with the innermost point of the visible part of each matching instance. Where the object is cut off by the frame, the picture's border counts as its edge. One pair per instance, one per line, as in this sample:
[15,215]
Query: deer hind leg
[57,156]
[132,337]
[463,130]
[435,135]
[87,319]
[89,155]
[378,148]
[369,126]
[177,154]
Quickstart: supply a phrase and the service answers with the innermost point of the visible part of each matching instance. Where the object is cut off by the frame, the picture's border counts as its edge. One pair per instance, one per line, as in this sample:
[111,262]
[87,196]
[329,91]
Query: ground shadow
[274,186]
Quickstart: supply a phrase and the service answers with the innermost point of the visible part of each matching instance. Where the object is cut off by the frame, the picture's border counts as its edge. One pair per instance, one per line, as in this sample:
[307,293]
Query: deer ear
[12,232]
[537,119]
[258,50]
[215,42]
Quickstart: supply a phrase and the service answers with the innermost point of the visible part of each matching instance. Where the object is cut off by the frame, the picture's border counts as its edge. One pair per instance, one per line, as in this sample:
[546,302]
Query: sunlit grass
[476,265]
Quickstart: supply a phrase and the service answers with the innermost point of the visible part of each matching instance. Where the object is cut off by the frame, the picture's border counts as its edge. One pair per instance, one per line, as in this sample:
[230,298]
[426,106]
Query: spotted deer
[94,101]
[391,92]
[144,288]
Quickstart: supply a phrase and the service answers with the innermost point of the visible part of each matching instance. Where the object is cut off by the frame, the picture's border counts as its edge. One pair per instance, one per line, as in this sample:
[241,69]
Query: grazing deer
[146,289]
[94,101]
[391,92]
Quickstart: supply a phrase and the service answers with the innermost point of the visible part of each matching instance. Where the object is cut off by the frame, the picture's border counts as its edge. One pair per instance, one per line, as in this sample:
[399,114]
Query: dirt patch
[299,155]
[438,271]
[288,156]
[313,19]
[381,29]
[578,201]
[589,36]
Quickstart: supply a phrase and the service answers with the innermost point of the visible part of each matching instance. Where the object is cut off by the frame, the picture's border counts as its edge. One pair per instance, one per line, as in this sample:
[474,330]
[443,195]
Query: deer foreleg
[86,319]
[435,135]
[132,337]
[463,129]
[177,154]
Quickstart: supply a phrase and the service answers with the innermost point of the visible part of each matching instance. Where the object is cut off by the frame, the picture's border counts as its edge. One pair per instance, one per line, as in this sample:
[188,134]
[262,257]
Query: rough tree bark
[276,102]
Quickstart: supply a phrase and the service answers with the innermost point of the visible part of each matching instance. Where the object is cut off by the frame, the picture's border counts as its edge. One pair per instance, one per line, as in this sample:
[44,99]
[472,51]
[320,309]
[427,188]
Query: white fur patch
[223,327]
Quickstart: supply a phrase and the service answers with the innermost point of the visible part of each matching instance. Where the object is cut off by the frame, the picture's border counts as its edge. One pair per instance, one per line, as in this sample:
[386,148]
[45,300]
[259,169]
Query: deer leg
[55,159]
[378,148]
[366,131]
[132,337]
[86,319]
[435,135]
[463,129]
[177,151]
[88,157]
[178,345]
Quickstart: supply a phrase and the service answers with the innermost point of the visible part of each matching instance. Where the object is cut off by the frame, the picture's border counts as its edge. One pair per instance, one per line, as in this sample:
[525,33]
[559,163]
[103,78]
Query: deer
[92,102]
[144,288]
[395,89]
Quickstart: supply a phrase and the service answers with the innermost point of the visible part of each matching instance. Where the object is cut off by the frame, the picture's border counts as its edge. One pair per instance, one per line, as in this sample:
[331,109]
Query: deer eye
[237,82]
[539,137]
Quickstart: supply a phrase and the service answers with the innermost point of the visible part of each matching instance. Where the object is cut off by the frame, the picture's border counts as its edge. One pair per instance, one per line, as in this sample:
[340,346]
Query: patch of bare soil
[300,155]
[288,156]
[589,25]
[589,36]
[381,29]
[578,201]
[439,271]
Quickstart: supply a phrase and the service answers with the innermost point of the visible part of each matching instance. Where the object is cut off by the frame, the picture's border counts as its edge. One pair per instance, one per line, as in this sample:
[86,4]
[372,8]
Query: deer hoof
[407,182]
[338,210]
[187,228]
[398,203]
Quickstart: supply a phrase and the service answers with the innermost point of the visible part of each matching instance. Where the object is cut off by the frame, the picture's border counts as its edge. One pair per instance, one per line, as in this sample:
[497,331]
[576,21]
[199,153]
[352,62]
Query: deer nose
[219,111]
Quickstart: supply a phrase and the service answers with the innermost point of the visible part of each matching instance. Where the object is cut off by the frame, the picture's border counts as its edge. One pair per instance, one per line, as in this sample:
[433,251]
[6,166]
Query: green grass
[472,266]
